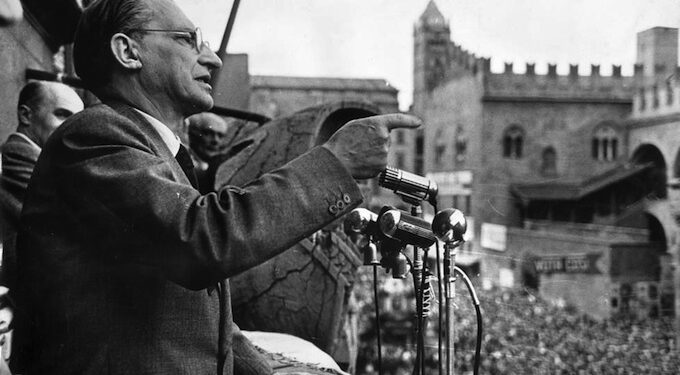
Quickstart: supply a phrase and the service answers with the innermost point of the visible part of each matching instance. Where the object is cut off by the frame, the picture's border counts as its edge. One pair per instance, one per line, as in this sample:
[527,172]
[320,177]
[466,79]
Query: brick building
[557,173]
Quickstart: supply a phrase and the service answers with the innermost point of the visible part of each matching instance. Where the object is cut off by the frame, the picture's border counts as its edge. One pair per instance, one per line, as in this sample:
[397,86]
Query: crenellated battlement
[656,96]
[552,85]
[530,70]
[464,59]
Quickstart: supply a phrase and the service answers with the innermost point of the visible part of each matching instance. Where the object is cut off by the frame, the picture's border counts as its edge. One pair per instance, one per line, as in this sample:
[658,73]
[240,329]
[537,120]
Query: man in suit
[122,262]
[42,107]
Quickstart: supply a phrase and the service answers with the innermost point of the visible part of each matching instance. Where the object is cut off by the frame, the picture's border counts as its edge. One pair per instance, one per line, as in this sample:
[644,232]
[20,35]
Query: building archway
[665,286]
[656,178]
[676,165]
[657,233]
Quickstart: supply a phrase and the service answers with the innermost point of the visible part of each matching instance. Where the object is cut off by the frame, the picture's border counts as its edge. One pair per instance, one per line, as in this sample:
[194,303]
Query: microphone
[361,221]
[365,222]
[412,188]
[449,225]
[409,229]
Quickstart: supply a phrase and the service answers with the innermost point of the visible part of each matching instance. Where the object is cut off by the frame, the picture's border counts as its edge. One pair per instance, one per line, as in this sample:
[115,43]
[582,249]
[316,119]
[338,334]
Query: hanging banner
[573,263]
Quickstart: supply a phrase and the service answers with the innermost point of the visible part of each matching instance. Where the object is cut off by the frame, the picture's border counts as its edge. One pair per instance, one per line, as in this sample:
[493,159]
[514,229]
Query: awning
[576,189]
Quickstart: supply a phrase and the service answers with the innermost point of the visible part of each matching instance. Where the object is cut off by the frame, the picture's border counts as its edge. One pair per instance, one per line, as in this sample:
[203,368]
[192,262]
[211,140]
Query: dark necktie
[184,160]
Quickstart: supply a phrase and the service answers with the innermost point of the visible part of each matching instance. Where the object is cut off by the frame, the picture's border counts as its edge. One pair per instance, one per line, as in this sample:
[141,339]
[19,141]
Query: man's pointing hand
[361,145]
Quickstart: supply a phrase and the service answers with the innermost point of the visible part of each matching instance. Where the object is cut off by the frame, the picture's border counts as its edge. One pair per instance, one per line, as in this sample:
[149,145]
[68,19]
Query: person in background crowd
[41,108]
[209,138]
[122,262]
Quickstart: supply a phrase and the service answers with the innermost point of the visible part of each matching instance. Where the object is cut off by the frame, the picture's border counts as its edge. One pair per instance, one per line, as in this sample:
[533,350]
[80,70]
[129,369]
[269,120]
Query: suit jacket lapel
[157,143]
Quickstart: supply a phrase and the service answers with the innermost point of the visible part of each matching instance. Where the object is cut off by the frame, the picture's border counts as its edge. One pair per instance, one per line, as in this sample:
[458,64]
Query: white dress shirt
[170,138]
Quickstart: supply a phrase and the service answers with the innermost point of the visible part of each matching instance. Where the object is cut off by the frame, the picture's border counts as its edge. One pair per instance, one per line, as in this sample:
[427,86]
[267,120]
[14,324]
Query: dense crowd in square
[524,334]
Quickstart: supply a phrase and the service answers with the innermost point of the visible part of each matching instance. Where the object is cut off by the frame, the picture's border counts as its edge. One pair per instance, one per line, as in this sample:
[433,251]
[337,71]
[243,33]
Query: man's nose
[209,58]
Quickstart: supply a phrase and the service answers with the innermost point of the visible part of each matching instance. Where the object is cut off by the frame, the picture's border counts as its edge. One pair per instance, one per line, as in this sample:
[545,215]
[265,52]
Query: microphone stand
[449,226]
[450,248]
[418,273]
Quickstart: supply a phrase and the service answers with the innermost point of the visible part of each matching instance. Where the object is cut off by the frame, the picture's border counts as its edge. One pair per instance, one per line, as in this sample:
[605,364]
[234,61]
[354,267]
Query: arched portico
[657,176]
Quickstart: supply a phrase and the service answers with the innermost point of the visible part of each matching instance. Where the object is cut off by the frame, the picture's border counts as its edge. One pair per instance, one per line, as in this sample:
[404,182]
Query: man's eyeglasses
[194,37]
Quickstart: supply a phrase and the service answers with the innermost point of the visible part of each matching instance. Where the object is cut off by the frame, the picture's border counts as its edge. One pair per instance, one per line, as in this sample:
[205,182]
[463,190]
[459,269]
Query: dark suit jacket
[18,160]
[19,157]
[119,257]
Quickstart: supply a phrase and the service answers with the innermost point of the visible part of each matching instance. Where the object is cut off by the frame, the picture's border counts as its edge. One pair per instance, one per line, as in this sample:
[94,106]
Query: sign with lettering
[573,263]
[452,183]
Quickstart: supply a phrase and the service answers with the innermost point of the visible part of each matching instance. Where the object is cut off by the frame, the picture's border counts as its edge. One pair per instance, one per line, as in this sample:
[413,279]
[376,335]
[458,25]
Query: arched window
[439,147]
[459,145]
[605,144]
[669,92]
[549,162]
[513,141]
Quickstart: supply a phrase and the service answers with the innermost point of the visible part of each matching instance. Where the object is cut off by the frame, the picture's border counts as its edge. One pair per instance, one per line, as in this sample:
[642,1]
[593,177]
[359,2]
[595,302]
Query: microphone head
[388,222]
[409,229]
[412,188]
[359,220]
[449,225]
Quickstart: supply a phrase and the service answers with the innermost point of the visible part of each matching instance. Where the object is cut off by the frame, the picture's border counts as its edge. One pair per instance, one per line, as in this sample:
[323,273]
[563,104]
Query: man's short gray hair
[102,19]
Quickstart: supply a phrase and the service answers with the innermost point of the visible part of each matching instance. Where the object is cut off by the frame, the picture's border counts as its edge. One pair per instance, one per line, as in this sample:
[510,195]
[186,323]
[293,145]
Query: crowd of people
[524,334]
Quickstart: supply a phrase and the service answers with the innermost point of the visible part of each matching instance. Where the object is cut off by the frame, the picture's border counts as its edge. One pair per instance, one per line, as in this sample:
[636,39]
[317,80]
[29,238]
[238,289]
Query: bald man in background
[209,139]
[42,107]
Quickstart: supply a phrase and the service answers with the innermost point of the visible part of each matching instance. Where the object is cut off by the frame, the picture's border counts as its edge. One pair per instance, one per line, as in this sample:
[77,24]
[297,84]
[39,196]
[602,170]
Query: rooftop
[322,83]
[576,189]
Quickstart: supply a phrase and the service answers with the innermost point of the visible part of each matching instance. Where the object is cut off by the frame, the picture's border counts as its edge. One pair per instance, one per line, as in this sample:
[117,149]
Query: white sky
[374,38]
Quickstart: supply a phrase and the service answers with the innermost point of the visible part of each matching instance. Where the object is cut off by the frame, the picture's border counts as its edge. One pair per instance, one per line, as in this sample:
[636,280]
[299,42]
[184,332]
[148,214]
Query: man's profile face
[56,104]
[208,135]
[173,71]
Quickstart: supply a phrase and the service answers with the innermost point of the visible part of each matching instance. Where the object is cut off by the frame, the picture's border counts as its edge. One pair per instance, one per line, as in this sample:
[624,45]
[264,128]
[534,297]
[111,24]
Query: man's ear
[125,50]
[25,113]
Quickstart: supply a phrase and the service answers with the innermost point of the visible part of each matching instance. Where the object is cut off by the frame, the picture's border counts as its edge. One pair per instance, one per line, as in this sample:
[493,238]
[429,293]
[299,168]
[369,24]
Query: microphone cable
[416,293]
[478,312]
[423,311]
[377,317]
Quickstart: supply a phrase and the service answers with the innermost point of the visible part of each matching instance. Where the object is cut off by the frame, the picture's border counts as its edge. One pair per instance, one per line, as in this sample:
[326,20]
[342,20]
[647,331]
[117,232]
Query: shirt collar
[169,138]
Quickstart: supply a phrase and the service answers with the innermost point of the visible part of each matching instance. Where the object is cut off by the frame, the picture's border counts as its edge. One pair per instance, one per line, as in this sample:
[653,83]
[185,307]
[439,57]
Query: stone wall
[571,87]
[566,127]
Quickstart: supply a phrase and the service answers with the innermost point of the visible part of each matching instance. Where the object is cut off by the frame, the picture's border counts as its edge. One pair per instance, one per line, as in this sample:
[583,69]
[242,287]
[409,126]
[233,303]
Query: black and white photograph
[339,187]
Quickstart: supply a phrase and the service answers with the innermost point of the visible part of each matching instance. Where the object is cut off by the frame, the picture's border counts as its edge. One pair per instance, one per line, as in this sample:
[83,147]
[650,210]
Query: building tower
[657,51]
[431,59]
[431,37]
